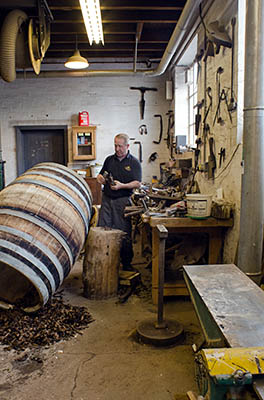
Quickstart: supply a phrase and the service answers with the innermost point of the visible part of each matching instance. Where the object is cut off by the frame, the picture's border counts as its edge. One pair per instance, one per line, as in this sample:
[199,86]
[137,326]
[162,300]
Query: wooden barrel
[44,221]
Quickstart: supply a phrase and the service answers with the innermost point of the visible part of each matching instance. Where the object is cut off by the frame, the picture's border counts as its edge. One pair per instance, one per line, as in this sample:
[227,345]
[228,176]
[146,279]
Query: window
[191,75]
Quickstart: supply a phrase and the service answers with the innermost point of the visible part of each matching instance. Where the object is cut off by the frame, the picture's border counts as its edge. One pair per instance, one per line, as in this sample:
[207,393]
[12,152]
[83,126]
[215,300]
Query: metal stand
[160,332]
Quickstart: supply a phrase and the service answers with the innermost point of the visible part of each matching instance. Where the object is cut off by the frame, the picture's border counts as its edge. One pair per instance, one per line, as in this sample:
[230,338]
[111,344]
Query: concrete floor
[106,362]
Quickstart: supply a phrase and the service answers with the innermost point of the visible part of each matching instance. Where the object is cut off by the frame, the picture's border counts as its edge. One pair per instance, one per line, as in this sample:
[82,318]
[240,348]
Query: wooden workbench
[213,227]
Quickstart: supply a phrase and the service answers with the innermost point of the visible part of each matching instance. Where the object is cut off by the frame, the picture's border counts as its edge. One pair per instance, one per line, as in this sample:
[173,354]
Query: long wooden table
[213,227]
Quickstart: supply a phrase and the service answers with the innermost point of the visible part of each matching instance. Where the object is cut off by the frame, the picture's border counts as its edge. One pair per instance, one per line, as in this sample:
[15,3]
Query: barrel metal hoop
[66,183]
[71,175]
[63,168]
[32,259]
[25,270]
[44,225]
[57,267]
[62,193]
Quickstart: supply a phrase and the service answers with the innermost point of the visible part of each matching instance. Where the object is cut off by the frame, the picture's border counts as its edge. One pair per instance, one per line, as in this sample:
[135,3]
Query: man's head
[121,145]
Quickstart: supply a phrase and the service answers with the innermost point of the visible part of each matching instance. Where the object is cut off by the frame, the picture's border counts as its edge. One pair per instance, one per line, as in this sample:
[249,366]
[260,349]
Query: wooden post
[101,263]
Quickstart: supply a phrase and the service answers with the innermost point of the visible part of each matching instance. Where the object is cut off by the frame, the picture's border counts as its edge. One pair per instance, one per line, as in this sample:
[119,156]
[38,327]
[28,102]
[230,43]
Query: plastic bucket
[199,205]
[95,169]
[44,221]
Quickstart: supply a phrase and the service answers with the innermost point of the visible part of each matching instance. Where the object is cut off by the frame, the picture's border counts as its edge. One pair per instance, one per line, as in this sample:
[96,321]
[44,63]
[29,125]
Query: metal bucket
[44,221]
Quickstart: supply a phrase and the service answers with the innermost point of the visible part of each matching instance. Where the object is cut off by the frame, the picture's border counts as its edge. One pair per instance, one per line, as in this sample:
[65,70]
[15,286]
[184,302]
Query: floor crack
[92,355]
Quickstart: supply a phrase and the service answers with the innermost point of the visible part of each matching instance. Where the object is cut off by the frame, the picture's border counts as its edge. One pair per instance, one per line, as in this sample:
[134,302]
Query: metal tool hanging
[161,129]
[143,129]
[139,150]
[232,105]
[211,159]
[170,132]
[198,116]
[222,97]
[142,102]
[221,156]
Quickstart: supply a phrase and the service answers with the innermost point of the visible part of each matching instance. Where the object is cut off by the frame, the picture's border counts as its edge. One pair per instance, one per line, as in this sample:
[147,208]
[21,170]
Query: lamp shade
[76,61]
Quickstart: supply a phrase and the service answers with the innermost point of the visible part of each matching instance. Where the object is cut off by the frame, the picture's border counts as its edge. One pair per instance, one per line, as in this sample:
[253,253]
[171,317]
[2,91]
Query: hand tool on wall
[197,60]
[209,94]
[211,159]
[217,35]
[222,96]
[161,129]
[232,106]
[142,90]
[170,132]
[222,156]
[143,129]
[217,117]
[153,157]
[198,116]
[140,150]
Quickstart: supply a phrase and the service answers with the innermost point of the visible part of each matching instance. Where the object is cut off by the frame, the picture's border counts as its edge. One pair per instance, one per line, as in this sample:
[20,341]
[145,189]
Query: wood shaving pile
[54,322]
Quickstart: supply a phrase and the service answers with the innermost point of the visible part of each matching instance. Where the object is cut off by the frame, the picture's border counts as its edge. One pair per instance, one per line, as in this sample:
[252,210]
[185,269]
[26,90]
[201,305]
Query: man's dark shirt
[124,171]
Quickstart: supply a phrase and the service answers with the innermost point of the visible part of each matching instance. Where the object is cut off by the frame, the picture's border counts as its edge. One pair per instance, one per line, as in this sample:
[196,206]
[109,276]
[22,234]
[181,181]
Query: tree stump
[101,263]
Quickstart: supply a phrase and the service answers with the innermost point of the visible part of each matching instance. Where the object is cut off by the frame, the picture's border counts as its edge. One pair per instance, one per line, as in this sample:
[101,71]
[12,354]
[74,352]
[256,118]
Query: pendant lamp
[76,61]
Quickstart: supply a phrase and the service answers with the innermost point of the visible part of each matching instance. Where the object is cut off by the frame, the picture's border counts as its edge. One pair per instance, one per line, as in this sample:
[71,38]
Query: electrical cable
[227,165]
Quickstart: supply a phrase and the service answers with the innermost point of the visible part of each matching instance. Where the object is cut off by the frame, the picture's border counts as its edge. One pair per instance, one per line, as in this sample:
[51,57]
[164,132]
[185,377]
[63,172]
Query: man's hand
[100,179]
[118,185]
[131,185]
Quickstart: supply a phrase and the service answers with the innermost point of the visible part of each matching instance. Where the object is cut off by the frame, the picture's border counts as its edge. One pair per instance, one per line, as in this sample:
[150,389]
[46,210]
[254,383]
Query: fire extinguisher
[83,118]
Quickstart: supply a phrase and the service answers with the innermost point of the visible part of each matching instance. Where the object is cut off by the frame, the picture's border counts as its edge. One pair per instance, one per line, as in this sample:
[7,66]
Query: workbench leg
[144,239]
[155,265]
[215,246]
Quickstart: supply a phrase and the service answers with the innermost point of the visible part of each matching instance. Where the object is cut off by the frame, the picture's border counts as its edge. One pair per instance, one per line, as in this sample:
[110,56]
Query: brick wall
[112,107]
[228,134]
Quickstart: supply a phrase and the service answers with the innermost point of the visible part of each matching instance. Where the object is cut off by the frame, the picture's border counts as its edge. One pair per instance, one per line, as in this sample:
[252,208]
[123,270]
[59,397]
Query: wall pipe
[252,194]
[8,36]
[189,14]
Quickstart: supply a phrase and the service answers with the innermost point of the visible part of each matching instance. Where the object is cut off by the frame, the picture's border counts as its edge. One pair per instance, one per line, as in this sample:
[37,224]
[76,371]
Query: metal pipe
[77,74]
[189,14]
[252,195]
[180,34]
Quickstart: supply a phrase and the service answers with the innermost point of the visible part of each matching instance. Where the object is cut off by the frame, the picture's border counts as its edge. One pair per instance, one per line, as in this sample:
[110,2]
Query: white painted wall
[112,107]
[228,177]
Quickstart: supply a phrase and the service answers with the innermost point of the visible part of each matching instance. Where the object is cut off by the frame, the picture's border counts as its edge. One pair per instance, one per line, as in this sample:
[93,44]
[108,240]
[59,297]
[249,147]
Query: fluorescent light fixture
[92,19]
[76,61]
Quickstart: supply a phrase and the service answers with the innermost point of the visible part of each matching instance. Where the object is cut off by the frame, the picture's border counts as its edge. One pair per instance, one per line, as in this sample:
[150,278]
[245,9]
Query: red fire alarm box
[84,118]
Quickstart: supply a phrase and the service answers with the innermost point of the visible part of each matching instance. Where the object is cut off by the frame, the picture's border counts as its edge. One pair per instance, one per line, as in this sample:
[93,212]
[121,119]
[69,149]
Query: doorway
[36,144]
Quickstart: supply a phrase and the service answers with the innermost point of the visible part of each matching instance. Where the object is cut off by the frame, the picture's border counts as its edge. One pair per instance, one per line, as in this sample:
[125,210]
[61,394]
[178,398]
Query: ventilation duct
[23,44]
[8,39]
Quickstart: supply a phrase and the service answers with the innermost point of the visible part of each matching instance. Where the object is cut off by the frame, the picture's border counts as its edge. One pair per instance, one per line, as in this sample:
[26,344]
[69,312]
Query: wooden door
[37,144]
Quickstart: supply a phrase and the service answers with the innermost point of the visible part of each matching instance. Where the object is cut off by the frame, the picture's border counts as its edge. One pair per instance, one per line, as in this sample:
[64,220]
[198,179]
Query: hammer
[140,149]
[142,89]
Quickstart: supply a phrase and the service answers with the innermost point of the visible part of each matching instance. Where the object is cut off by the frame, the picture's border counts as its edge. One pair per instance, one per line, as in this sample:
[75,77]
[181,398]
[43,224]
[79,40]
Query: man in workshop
[125,171]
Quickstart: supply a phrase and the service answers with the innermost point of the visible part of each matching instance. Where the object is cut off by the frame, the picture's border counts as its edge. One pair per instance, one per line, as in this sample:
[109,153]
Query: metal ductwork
[185,24]
[252,198]
[8,38]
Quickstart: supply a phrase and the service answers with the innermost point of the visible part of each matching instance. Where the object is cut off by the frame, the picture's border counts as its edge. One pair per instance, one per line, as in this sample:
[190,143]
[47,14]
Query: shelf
[83,151]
